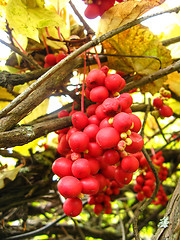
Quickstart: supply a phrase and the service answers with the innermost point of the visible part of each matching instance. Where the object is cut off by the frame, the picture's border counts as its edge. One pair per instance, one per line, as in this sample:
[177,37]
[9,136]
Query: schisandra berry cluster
[96,8]
[162,109]
[145,181]
[97,153]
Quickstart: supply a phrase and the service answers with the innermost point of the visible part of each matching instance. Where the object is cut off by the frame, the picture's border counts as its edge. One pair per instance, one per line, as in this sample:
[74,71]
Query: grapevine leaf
[8,173]
[27,21]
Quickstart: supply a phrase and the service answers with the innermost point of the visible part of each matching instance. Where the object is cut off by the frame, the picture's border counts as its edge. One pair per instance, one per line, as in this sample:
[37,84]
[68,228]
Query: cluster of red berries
[96,8]
[51,59]
[145,181]
[162,109]
[97,151]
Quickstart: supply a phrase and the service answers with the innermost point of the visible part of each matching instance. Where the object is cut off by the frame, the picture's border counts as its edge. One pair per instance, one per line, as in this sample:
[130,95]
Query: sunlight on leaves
[27,21]
[173,82]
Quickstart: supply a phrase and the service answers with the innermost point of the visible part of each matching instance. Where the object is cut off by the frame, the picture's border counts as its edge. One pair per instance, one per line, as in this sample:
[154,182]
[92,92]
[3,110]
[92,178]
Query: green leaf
[27,21]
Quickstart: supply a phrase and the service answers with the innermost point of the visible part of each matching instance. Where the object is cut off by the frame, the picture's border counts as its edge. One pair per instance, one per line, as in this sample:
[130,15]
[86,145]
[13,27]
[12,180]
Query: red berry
[166,111]
[129,164]
[50,59]
[69,187]
[92,11]
[62,167]
[107,137]
[79,141]
[137,143]
[111,156]
[81,168]
[157,102]
[79,120]
[123,177]
[90,185]
[122,122]
[60,56]
[114,83]
[99,94]
[72,207]
[95,78]
[91,130]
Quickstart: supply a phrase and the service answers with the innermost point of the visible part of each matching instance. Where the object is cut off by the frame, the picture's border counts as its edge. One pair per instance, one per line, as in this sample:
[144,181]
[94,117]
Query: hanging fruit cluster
[96,8]
[162,109]
[97,152]
[145,181]
[51,59]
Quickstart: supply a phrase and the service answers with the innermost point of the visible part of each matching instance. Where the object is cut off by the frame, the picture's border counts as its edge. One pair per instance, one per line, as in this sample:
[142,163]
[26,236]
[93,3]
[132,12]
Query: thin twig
[18,51]
[160,129]
[145,118]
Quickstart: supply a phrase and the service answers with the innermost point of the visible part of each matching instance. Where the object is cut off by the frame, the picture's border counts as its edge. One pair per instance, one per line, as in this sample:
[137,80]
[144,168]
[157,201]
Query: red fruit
[166,111]
[100,113]
[140,180]
[105,123]
[91,200]
[111,156]
[63,113]
[107,137]
[122,177]
[136,122]
[98,208]
[60,56]
[92,11]
[94,120]
[94,150]
[114,83]
[87,93]
[91,130]
[95,78]
[79,120]
[157,102]
[149,183]
[109,172]
[137,143]
[99,94]
[91,109]
[79,141]
[137,188]
[147,191]
[69,187]
[105,69]
[90,185]
[70,132]
[129,164]
[63,146]
[101,180]
[140,196]
[72,207]
[111,106]
[94,165]
[62,167]
[125,100]
[50,59]
[81,168]
[122,122]
[105,5]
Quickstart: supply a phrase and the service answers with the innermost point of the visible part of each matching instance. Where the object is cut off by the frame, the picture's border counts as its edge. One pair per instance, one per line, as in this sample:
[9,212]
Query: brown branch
[22,135]
[171,41]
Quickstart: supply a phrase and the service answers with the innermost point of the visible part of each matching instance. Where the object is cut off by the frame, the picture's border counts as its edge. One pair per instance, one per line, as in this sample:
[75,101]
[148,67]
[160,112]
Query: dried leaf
[10,174]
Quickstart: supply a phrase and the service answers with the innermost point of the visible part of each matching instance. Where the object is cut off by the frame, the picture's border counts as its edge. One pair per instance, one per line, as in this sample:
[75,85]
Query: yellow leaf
[10,174]
[59,4]
[173,82]
[124,13]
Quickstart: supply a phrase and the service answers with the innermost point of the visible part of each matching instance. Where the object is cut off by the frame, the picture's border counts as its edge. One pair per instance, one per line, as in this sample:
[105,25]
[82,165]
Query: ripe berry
[69,187]
[99,94]
[137,143]
[79,141]
[111,106]
[50,59]
[129,164]
[114,83]
[91,130]
[90,185]
[94,150]
[62,167]
[122,177]
[79,120]
[60,56]
[136,123]
[81,168]
[92,11]
[72,207]
[157,102]
[95,78]
[166,111]
[111,156]
[107,137]
[122,122]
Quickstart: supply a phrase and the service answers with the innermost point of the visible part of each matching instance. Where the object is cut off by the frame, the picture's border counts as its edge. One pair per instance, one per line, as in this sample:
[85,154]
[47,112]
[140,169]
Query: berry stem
[22,49]
[97,58]
[83,84]
[44,41]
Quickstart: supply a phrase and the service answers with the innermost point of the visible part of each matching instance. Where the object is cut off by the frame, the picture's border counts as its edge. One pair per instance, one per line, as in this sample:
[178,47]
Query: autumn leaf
[173,82]
[27,20]
[8,173]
